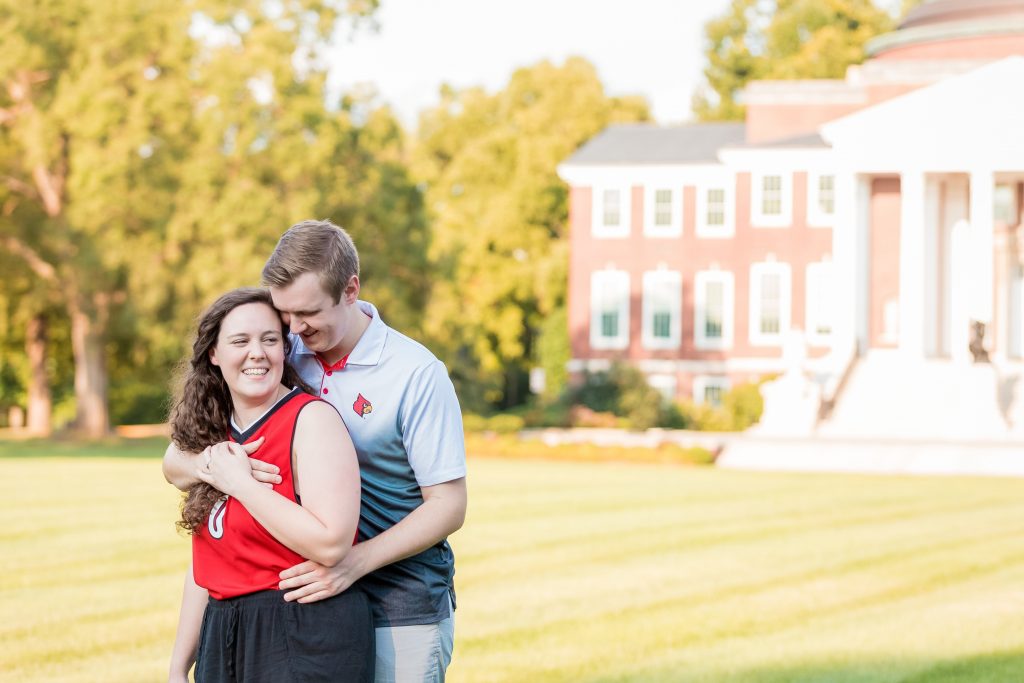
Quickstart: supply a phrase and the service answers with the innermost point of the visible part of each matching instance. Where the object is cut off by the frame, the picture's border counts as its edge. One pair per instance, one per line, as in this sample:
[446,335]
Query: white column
[932,287]
[982,227]
[912,254]
[845,247]
[960,297]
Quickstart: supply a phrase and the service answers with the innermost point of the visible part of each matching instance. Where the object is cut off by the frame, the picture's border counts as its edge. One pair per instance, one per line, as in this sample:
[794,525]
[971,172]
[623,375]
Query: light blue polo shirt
[402,413]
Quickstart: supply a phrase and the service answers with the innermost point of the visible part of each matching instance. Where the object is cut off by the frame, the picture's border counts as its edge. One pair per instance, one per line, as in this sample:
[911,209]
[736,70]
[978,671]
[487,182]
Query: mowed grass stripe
[689,583]
[604,537]
[804,594]
[575,572]
[936,508]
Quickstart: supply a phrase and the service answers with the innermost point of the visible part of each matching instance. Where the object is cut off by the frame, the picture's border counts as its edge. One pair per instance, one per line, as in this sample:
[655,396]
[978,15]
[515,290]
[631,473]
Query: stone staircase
[891,396]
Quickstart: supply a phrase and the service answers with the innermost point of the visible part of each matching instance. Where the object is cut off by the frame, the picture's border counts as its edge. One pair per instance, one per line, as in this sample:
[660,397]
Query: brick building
[874,217]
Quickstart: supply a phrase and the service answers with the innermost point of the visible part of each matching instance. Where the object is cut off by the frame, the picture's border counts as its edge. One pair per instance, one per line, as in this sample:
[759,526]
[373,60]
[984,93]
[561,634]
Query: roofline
[931,33]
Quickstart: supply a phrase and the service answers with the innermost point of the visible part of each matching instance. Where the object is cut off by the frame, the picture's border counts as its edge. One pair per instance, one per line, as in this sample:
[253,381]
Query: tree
[499,210]
[153,153]
[778,40]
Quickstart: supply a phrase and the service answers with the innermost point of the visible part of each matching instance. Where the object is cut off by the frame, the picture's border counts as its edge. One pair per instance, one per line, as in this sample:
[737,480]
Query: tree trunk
[39,401]
[93,418]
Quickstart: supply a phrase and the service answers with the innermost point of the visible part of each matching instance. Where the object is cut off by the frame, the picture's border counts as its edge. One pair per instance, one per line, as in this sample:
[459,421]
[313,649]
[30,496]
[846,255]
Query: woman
[243,532]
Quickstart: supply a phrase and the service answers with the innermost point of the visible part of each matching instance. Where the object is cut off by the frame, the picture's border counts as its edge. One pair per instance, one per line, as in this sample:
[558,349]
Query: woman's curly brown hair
[201,415]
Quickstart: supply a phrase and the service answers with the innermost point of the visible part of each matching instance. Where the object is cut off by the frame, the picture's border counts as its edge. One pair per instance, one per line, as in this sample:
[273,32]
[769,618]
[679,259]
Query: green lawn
[576,572]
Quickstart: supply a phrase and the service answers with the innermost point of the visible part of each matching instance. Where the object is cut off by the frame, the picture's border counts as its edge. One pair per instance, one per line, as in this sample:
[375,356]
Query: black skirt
[260,638]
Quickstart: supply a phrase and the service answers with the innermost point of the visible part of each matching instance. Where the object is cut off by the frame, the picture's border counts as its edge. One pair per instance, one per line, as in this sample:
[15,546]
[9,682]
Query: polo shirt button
[325,390]
[330,372]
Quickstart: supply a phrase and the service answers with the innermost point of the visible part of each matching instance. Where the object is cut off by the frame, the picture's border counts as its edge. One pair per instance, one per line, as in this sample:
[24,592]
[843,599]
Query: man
[402,413]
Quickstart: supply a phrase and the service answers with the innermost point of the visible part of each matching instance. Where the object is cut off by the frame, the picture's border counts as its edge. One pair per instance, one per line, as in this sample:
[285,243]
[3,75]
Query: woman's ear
[213,357]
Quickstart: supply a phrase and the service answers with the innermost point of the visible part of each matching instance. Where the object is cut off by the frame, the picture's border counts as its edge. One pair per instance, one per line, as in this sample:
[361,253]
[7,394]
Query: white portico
[950,158]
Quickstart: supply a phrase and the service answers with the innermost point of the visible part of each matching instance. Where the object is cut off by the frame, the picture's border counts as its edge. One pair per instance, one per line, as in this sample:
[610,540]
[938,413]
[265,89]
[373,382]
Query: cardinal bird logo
[362,406]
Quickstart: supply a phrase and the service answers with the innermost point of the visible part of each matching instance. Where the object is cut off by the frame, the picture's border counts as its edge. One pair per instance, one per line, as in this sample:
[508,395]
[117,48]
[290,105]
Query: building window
[821,199]
[716,207]
[714,213]
[771,205]
[713,313]
[827,194]
[820,302]
[1004,199]
[662,208]
[663,212]
[771,195]
[609,309]
[611,212]
[769,303]
[710,389]
[662,290]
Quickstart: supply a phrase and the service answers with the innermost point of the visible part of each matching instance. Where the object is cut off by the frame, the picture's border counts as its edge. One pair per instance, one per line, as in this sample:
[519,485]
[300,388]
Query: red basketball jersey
[233,554]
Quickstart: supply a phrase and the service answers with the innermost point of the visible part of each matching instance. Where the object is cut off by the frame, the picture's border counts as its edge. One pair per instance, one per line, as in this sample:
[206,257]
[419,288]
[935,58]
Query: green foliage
[499,252]
[623,391]
[139,402]
[154,152]
[744,404]
[741,408]
[501,423]
[554,352]
[779,40]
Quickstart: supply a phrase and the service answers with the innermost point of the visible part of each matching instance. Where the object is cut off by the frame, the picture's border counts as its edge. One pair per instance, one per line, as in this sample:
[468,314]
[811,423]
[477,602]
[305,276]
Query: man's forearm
[179,468]
[442,513]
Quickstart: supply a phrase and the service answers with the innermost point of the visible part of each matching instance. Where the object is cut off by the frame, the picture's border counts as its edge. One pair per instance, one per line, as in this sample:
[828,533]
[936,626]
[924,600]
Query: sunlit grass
[577,572]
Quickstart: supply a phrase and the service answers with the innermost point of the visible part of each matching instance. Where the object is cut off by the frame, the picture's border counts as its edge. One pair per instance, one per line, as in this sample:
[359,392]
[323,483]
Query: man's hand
[263,472]
[312,582]
[182,469]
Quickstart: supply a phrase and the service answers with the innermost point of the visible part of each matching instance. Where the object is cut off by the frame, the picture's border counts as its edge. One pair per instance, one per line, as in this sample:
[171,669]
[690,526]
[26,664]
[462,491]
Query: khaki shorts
[415,654]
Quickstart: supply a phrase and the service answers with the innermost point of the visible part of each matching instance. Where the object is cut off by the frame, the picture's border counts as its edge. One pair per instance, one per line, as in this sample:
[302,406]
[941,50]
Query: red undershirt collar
[340,365]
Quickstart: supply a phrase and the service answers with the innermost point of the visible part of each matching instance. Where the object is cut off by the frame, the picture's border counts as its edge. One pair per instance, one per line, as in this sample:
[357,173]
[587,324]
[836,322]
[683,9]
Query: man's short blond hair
[319,247]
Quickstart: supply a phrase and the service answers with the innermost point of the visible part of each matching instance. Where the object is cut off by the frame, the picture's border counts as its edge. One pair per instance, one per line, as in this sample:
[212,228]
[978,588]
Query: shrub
[582,416]
[744,404]
[623,391]
[741,407]
[471,422]
[503,423]
[137,402]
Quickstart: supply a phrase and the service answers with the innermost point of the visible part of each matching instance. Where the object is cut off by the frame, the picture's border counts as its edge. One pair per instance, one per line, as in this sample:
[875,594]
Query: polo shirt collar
[370,346]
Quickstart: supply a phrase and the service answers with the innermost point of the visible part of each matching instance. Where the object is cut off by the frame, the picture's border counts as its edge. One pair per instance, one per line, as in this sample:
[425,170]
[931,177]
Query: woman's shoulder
[315,412]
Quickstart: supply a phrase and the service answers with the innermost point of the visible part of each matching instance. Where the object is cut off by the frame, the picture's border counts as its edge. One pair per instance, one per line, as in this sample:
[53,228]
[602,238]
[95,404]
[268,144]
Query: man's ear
[351,292]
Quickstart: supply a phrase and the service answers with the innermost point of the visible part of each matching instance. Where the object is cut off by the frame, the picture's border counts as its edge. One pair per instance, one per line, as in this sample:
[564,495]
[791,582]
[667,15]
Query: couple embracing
[323,456]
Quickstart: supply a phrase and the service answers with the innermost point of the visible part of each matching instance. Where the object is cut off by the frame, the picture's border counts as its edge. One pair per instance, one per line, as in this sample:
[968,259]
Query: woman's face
[250,353]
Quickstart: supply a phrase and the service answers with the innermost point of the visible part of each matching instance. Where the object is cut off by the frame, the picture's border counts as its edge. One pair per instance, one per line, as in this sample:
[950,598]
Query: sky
[652,48]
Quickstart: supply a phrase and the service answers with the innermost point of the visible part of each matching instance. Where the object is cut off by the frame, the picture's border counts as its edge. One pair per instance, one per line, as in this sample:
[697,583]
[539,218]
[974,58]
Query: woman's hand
[227,468]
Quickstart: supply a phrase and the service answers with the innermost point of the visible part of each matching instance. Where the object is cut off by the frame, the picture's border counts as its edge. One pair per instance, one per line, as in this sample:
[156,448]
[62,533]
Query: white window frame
[816,290]
[598,228]
[816,217]
[666,385]
[701,280]
[600,279]
[673,280]
[675,226]
[783,270]
[702,382]
[784,218]
[728,228]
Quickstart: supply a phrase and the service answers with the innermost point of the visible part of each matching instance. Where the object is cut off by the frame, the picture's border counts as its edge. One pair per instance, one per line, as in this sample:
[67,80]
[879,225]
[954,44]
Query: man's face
[311,313]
